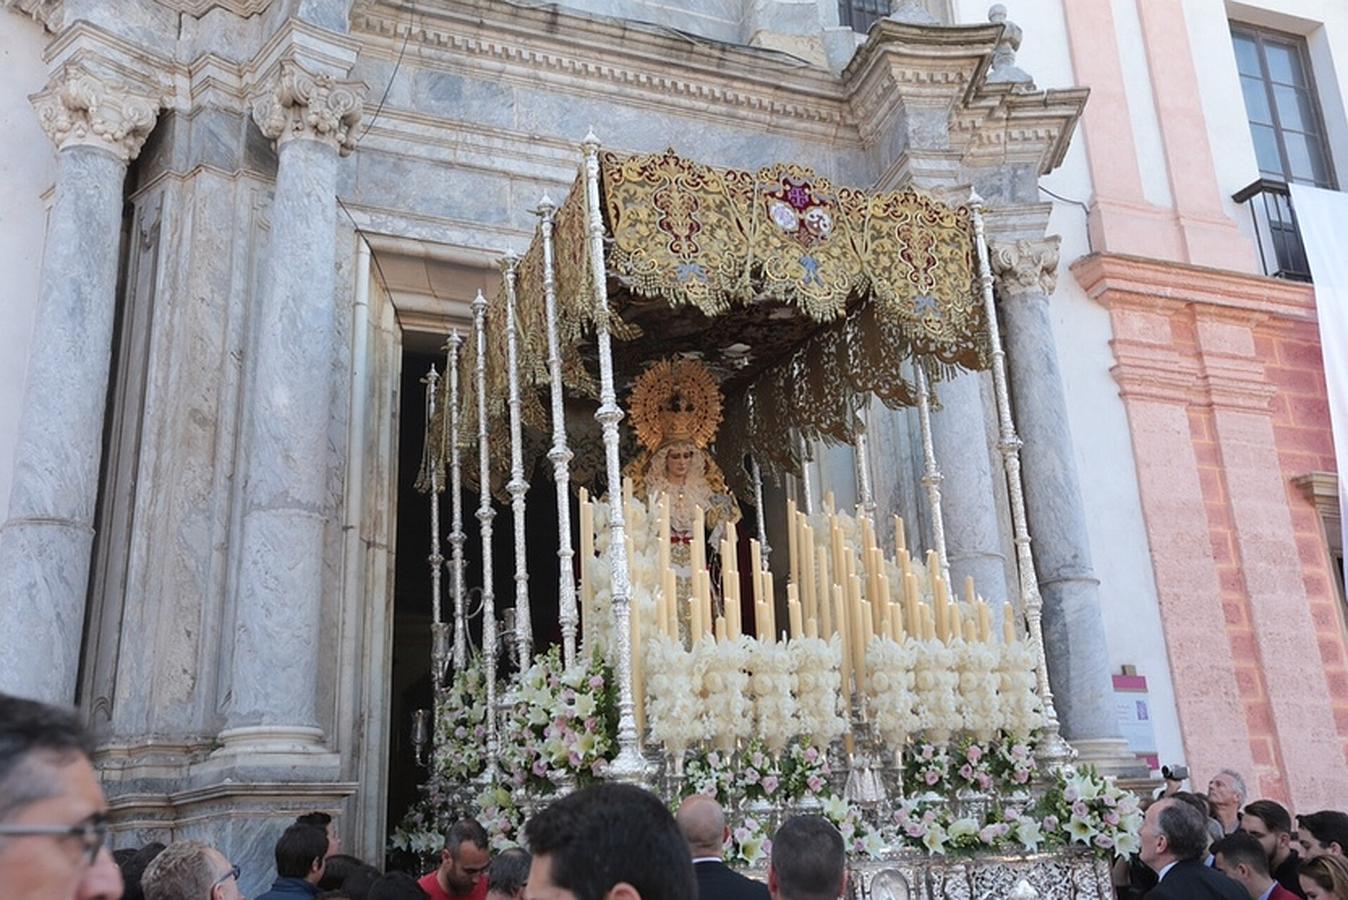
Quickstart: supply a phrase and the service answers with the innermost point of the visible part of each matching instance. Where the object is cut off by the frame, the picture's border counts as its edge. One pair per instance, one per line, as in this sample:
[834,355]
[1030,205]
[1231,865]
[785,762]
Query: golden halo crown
[675,400]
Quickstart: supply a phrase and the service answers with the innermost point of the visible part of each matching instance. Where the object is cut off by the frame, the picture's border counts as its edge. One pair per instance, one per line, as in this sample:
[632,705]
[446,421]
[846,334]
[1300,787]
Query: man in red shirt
[463,865]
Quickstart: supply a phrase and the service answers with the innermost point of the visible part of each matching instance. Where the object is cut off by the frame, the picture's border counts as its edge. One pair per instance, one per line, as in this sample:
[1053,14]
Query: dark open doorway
[411,687]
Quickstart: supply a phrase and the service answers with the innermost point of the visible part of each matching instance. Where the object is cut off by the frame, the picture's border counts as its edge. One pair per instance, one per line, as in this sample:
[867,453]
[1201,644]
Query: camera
[1174,773]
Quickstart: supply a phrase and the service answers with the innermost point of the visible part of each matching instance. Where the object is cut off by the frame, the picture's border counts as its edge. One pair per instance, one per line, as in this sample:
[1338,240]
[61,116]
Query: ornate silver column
[629,764]
[1054,748]
[484,516]
[279,590]
[456,535]
[98,125]
[1025,274]
[931,472]
[560,454]
[517,487]
[439,634]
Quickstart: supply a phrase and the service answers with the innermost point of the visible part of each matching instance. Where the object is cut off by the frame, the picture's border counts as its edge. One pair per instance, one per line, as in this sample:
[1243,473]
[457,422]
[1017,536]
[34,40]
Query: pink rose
[915,829]
[1080,809]
[975,753]
[1104,842]
[1050,823]
[931,776]
[814,783]
[769,783]
[597,682]
[967,772]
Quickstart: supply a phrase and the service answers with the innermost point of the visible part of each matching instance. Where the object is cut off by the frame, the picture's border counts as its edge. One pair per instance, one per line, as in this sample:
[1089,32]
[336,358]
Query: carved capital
[79,107]
[1023,267]
[301,104]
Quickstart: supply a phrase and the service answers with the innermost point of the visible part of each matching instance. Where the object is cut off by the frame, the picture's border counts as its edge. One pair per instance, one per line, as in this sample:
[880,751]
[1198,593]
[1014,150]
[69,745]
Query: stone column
[969,495]
[99,125]
[273,677]
[1074,628]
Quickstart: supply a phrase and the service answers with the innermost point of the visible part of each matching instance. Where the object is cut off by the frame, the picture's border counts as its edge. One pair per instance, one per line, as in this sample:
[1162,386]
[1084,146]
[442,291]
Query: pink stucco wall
[1221,377]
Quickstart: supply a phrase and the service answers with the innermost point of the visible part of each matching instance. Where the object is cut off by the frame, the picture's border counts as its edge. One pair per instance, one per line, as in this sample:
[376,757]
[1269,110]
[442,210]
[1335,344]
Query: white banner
[1322,217]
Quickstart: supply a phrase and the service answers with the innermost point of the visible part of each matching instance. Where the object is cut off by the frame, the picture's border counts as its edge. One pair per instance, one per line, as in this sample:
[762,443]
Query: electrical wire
[397,64]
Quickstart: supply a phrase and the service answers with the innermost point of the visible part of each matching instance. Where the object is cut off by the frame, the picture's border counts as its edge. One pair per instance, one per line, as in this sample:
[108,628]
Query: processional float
[777,305]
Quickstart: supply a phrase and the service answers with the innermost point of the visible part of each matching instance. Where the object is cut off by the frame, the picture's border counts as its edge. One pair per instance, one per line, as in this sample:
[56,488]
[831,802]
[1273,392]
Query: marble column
[969,495]
[99,125]
[272,688]
[1074,628]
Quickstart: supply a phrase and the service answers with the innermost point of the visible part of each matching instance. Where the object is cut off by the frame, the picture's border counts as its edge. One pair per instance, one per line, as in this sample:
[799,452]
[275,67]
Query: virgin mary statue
[676,408]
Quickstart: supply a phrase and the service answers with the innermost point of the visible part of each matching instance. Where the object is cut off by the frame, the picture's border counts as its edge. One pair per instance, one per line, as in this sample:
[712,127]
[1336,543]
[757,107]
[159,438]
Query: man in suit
[702,822]
[1174,842]
[1241,858]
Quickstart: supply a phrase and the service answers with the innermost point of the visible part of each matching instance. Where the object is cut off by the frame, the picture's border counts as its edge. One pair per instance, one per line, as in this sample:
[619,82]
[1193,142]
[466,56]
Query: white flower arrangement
[889,690]
[936,683]
[723,701]
[673,707]
[1093,811]
[563,726]
[774,707]
[979,679]
[815,669]
[1022,713]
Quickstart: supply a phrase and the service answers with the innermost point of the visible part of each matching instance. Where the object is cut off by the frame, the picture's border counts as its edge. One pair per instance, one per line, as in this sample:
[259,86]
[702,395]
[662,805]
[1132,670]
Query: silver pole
[1053,746]
[484,517]
[806,489]
[629,764]
[560,454]
[931,475]
[456,535]
[517,486]
[439,644]
[862,453]
[764,549]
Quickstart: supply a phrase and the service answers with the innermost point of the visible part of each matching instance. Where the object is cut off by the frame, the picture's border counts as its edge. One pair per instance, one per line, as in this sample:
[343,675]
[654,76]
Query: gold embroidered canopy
[800,296]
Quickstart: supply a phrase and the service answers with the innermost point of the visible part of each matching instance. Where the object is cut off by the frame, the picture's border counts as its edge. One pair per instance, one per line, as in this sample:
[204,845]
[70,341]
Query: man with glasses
[52,829]
[190,870]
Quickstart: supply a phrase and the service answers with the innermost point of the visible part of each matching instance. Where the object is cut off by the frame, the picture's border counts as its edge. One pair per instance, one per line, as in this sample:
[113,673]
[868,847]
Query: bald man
[702,822]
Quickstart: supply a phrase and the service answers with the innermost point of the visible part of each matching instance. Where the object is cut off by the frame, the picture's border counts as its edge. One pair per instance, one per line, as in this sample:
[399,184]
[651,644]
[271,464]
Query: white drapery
[1322,217]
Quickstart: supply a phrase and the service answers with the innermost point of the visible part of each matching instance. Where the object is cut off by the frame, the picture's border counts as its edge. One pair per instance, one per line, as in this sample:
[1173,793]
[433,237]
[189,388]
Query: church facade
[235,229]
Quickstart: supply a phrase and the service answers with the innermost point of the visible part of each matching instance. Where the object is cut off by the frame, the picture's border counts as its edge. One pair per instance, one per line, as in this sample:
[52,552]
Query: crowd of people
[604,842]
[1218,845]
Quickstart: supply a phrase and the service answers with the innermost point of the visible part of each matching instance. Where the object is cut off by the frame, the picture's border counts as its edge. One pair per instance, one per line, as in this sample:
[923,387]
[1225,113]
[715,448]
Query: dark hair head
[1327,826]
[1197,801]
[808,859]
[610,833]
[1185,829]
[133,869]
[396,886]
[509,871]
[29,730]
[1239,848]
[1273,814]
[357,884]
[319,819]
[298,848]
[335,870]
[465,830]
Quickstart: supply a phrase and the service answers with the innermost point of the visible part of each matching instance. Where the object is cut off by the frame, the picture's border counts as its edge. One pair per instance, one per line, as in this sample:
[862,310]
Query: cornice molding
[605,56]
[1322,490]
[1118,280]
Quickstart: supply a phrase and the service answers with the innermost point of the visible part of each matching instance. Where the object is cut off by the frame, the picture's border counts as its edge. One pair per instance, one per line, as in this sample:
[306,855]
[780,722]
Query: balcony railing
[1275,227]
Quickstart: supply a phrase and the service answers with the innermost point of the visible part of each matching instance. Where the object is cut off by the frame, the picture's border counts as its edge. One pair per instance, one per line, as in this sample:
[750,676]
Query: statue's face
[678,459]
